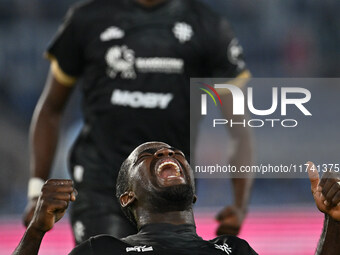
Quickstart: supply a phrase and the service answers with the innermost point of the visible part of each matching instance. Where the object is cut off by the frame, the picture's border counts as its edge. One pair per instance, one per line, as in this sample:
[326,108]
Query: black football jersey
[164,239]
[135,64]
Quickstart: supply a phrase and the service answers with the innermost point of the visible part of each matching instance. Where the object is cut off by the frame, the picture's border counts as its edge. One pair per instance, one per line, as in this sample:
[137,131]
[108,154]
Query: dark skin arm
[44,133]
[326,193]
[51,207]
[329,240]
[231,217]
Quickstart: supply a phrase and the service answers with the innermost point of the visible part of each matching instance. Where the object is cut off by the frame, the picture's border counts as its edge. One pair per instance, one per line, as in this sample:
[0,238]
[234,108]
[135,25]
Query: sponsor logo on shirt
[78,173]
[111,33]
[121,60]
[235,52]
[79,231]
[224,247]
[138,99]
[159,65]
[139,248]
[182,31]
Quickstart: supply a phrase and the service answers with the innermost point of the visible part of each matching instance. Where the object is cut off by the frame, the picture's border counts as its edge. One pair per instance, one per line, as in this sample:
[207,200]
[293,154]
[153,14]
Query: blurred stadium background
[292,38]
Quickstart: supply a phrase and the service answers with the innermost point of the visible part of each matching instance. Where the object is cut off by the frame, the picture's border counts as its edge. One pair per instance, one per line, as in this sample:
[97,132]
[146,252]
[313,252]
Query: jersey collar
[166,227]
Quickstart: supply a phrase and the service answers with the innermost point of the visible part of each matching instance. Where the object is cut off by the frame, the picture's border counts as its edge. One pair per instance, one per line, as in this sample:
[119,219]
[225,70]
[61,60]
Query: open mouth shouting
[169,172]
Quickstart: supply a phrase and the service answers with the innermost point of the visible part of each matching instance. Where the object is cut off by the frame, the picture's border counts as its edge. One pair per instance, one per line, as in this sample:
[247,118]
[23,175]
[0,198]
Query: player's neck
[173,217]
[150,3]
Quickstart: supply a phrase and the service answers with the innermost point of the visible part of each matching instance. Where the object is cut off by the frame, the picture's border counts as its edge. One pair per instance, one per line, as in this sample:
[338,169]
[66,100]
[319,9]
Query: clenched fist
[230,221]
[326,192]
[52,203]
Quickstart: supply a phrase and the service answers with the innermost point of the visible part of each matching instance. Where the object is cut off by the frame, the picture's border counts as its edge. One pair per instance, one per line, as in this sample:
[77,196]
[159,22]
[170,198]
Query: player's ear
[195,199]
[127,198]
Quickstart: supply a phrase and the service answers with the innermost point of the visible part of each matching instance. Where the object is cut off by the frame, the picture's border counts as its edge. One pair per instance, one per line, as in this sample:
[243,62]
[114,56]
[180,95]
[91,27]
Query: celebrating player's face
[160,164]
[160,174]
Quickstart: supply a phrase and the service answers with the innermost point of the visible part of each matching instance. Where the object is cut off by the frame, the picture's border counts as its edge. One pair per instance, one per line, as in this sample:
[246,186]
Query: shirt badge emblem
[182,31]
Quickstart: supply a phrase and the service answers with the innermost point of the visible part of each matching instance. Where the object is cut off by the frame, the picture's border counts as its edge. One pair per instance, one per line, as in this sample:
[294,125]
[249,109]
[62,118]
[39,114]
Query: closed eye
[179,153]
[143,156]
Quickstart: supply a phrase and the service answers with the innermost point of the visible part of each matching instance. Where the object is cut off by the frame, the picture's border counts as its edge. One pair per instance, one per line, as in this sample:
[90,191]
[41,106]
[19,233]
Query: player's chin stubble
[172,198]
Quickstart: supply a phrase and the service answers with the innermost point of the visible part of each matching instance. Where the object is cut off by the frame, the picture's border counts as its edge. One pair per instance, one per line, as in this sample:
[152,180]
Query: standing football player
[133,60]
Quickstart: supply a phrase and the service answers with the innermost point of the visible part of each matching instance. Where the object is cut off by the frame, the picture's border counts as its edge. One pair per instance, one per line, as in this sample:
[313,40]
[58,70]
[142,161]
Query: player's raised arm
[231,217]
[44,137]
[64,54]
[225,59]
[326,193]
[51,207]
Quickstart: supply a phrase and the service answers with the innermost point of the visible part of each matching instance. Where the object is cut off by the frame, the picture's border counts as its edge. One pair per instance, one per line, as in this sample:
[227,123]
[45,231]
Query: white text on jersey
[139,248]
[138,99]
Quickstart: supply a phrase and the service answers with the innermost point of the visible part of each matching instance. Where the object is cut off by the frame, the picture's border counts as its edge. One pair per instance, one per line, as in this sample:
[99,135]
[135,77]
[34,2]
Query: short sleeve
[65,51]
[225,54]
